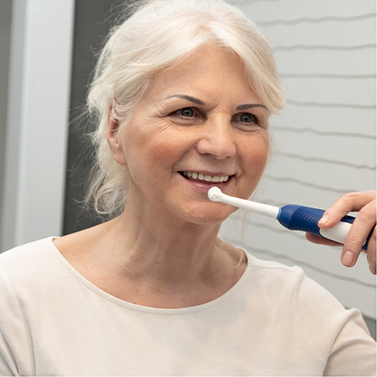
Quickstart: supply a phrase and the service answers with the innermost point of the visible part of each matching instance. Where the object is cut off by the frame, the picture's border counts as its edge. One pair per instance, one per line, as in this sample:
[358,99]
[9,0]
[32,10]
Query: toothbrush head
[214,194]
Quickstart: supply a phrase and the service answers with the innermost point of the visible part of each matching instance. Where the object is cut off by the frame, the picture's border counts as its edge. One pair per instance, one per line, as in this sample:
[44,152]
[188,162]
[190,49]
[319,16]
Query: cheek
[255,154]
[254,159]
[148,151]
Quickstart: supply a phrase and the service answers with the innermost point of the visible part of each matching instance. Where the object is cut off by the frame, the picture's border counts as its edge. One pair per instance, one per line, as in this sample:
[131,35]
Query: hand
[365,203]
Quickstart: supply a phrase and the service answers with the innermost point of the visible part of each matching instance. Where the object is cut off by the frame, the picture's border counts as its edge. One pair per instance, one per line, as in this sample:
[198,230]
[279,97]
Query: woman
[183,92]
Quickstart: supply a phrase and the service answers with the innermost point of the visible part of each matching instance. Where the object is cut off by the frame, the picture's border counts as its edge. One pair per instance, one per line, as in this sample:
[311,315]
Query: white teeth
[207,178]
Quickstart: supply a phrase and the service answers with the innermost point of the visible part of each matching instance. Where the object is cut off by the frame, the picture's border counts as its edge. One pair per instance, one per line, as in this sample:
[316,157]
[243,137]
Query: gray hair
[158,34]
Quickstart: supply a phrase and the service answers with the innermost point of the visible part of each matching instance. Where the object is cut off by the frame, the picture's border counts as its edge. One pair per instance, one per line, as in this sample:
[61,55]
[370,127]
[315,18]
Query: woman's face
[199,125]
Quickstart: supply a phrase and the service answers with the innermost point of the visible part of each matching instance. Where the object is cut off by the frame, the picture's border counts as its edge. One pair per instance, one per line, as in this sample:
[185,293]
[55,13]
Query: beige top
[274,321]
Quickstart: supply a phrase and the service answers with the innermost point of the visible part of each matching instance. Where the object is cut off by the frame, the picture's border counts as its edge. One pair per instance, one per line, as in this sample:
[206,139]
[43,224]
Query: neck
[155,260]
[161,246]
[160,260]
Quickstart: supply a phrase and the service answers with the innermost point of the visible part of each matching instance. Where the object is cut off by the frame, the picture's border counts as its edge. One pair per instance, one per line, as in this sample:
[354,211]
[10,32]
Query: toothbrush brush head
[214,194]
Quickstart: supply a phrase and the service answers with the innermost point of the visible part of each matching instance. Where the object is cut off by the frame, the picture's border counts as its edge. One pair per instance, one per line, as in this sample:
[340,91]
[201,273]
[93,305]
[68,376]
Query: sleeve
[15,347]
[339,337]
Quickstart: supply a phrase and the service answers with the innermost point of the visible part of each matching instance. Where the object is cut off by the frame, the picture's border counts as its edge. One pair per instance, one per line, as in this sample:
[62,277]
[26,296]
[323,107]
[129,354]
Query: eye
[247,118]
[186,116]
[187,112]
[247,122]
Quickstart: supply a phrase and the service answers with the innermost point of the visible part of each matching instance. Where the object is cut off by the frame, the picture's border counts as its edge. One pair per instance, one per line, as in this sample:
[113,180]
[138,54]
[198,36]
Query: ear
[112,135]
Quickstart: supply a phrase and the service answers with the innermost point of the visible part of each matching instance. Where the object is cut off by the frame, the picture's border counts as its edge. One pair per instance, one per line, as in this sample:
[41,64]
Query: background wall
[34,156]
[93,19]
[5,31]
[325,137]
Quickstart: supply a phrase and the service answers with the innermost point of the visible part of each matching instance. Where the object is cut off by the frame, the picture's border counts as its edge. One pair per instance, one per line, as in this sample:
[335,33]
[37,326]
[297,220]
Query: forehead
[207,71]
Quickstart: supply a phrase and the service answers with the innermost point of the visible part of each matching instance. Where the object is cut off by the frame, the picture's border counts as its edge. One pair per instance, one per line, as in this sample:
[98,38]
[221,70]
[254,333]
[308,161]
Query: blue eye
[248,122]
[247,118]
[187,112]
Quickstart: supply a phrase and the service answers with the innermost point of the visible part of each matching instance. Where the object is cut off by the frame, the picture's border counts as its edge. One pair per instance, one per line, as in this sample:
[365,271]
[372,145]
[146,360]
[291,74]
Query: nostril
[219,146]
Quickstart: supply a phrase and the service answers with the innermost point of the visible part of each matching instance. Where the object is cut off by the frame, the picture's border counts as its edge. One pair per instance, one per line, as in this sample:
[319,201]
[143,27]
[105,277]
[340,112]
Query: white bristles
[214,194]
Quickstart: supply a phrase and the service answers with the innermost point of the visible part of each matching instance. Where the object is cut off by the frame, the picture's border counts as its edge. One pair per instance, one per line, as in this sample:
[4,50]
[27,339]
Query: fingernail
[347,258]
[325,219]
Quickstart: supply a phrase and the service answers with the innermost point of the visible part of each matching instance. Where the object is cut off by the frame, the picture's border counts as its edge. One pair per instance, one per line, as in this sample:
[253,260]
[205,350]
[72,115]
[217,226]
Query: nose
[217,139]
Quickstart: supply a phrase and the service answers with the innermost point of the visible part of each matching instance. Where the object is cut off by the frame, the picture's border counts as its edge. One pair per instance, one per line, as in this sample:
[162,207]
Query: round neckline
[147,309]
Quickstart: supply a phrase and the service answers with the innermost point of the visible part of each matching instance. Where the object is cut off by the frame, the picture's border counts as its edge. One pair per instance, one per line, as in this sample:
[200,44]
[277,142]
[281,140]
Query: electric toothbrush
[292,217]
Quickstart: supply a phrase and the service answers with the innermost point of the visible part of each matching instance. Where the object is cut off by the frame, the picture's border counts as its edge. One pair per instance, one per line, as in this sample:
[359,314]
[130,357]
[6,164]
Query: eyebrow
[189,98]
[201,103]
[249,106]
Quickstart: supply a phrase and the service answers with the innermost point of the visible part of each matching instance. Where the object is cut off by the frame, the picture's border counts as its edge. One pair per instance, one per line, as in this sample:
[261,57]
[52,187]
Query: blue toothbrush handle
[295,217]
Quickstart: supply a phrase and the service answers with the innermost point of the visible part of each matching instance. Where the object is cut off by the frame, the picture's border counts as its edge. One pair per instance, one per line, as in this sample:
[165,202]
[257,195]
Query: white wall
[325,138]
[37,120]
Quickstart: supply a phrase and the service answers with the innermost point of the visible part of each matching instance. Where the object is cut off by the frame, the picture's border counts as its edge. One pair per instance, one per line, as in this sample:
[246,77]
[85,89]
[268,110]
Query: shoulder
[21,280]
[338,337]
[30,269]
[28,251]
[291,282]
[29,255]
[291,291]
[274,275]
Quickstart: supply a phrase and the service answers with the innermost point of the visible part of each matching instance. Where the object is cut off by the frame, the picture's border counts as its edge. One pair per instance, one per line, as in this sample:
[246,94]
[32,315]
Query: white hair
[158,34]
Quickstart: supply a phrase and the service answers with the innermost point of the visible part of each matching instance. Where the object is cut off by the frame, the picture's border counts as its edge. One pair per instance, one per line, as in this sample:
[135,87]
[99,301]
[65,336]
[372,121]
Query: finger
[359,231]
[346,203]
[321,241]
[371,253]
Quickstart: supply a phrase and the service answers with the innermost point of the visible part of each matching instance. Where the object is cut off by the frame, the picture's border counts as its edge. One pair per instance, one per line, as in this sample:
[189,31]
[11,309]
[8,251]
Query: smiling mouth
[204,177]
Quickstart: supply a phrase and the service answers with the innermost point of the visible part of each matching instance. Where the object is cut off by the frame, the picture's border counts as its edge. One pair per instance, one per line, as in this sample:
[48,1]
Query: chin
[209,213]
